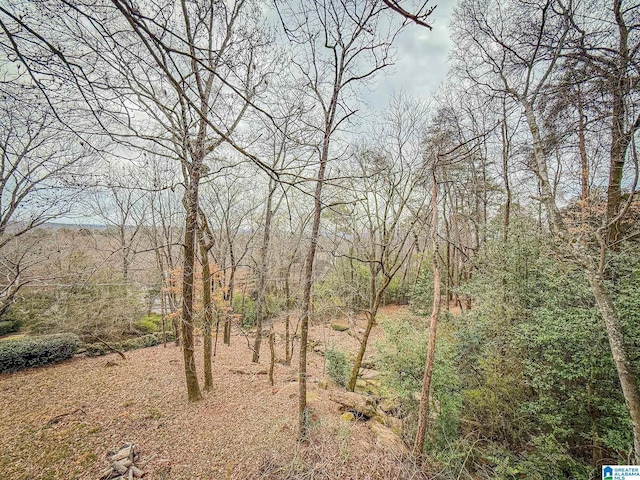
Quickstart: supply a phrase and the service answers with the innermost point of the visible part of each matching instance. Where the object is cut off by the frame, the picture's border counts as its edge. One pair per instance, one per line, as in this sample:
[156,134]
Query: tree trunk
[262,274]
[582,148]
[505,178]
[191,229]
[351,386]
[272,349]
[308,283]
[620,136]
[628,380]
[227,331]
[207,306]
[163,316]
[423,412]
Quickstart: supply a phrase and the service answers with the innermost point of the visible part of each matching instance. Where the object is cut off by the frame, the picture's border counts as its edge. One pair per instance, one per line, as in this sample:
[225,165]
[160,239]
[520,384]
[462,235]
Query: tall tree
[41,173]
[338,45]
[518,56]
[388,207]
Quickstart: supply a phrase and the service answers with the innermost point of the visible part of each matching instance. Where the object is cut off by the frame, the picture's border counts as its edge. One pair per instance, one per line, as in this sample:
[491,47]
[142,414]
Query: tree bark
[262,274]
[351,386]
[423,412]
[207,306]
[628,380]
[505,178]
[308,284]
[191,229]
[272,349]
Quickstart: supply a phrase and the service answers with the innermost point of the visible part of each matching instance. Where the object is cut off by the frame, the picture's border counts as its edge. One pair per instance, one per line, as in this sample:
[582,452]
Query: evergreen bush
[36,351]
[7,327]
[144,341]
[338,367]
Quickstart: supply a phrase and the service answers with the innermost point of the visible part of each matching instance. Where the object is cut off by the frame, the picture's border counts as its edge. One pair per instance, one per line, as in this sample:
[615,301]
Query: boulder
[389,406]
[395,424]
[369,373]
[387,439]
[369,387]
[348,417]
[339,327]
[361,405]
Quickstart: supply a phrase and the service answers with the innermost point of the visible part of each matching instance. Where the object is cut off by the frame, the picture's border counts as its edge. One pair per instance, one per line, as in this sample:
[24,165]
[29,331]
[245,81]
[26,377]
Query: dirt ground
[60,422]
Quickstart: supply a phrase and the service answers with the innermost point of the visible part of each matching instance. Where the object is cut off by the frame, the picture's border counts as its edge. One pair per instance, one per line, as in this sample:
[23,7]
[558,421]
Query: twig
[58,418]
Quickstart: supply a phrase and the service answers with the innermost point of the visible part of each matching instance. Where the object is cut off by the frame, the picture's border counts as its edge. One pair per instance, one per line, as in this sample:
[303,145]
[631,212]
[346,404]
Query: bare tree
[199,78]
[122,208]
[423,410]
[339,44]
[41,173]
[390,205]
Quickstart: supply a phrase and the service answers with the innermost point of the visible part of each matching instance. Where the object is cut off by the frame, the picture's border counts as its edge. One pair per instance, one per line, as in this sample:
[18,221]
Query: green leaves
[36,351]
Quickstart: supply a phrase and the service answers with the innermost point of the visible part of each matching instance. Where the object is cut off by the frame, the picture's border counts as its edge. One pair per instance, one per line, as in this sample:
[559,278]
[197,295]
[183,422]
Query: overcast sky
[421,63]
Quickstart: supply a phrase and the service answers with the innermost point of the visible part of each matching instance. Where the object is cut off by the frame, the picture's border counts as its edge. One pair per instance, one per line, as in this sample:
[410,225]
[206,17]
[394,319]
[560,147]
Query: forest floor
[61,421]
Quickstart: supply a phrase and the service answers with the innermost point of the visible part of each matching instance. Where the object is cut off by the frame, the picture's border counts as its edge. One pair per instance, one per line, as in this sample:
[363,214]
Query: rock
[361,405]
[326,384]
[253,369]
[369,373]
[385,438]
[395,424]
[388,406]
[369,387]
[417,396]
[348,417]
[339,327]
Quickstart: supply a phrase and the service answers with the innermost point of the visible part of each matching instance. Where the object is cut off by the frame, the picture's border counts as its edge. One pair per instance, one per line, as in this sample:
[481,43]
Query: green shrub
[421,297]
[149,323]
[338,367]
[36,351]
[150,340]
[96,349]
[8,327]
[401,360]
[247,307]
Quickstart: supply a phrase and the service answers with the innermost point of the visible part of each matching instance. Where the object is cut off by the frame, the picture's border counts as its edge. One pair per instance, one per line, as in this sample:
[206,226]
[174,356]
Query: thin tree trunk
[505,178]
[628,380]
[308,283]
[423,412]
[163,316]
[272,349]
[353,379]
[215,343]
[262,275]
[208,311]
[227,331]
[287,325]
[582,148]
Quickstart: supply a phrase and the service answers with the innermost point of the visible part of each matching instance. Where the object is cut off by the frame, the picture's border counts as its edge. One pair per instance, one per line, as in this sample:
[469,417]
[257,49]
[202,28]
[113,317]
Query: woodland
[227,251]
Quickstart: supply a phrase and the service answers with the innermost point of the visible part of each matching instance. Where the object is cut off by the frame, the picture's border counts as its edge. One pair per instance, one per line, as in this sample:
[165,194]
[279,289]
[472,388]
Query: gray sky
[421,63]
